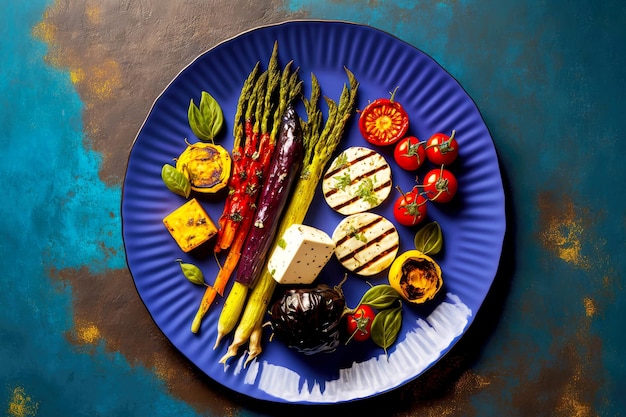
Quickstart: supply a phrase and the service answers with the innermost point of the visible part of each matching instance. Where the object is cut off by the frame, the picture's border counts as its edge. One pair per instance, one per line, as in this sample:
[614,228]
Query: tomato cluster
[440,149]
[439,184]
[384,122]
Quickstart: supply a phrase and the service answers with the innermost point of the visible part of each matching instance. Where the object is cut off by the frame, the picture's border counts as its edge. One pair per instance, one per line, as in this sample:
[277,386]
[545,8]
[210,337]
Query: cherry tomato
[410,208]
[409,153]
[359,323]
[384,121]
[440,185]
[442,149]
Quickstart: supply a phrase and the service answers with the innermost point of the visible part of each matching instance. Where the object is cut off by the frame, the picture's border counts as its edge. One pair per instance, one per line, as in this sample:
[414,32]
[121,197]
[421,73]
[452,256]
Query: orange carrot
[224,274]
[230,264]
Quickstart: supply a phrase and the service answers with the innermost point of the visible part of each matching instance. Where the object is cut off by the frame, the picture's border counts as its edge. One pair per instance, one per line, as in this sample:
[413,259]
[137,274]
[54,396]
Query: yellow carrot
[255,348]
[231,310]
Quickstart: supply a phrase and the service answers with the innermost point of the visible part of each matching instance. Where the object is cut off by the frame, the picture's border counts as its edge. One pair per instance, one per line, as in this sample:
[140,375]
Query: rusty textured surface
[130,50]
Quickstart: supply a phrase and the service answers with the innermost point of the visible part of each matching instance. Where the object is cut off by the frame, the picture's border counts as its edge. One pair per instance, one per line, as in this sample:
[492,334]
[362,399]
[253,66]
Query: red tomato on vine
[409,153]
[442,149]
[359,323]
[440,185]
[410,208]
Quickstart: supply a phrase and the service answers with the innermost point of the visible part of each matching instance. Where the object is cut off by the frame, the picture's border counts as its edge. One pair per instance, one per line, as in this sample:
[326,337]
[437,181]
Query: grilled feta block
[358,180]
[300,255]
[366,243]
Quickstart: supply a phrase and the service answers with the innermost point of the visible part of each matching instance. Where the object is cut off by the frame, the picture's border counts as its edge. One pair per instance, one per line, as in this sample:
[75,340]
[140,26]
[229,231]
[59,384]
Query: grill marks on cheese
[359,179]
[366,243]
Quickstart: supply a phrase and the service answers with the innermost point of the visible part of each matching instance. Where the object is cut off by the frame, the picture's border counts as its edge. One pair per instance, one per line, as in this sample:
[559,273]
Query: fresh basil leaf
[175,180]
[386,326]
[207,120]
[380,297]
[195,120]
[429,239]
[212,113]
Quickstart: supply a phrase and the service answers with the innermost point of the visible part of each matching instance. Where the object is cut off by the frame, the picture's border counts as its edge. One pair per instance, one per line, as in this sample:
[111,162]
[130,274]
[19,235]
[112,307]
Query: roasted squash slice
[416,276]
[190,225]
[206,165]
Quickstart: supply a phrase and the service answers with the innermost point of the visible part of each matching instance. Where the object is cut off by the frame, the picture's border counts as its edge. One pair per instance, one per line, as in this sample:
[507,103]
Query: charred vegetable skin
[309,319]
[416,276]
[284,170]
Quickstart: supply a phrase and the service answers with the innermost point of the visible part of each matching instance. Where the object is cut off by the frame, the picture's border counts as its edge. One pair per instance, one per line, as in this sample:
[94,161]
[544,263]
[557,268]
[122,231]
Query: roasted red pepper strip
[231,215]
[266,149]
[243,192]
[384,121]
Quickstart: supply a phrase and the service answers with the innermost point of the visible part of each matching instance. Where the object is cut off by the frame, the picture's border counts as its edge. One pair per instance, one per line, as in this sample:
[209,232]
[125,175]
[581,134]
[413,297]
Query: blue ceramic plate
[473,224]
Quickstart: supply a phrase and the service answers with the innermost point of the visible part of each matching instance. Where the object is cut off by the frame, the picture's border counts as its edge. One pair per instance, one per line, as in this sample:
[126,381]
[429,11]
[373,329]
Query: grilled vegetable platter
[305,226]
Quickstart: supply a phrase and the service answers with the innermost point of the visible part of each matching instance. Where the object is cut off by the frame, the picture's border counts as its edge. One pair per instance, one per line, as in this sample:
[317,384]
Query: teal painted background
[549,79]
[56,213]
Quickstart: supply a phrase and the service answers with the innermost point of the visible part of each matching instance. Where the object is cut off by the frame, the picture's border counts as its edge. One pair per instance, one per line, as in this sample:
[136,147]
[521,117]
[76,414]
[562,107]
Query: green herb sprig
[429,239]
[175,180]
[206,120]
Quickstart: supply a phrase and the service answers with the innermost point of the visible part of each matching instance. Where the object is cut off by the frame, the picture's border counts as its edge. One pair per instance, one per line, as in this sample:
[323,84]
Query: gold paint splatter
[231,411]
[570,406]
[471,382]
[45,31]
[571,403]
[162,368]
[590,307]
[105,79]
[564,233]
[467,385]
[21,404]
[87,333]
[77,75]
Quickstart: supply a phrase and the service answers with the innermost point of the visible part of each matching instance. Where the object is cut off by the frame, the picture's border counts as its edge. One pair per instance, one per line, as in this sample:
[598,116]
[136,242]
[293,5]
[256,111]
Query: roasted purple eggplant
[309,319]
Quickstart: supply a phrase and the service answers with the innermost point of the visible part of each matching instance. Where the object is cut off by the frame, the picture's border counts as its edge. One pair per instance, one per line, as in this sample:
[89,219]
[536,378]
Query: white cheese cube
[300,255]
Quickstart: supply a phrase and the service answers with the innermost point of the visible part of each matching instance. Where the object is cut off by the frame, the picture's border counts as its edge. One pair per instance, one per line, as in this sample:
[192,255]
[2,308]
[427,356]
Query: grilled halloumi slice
[358,180]
[366,243]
